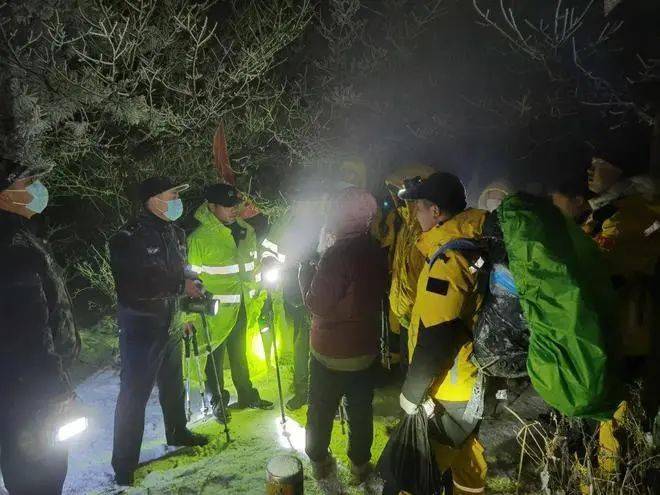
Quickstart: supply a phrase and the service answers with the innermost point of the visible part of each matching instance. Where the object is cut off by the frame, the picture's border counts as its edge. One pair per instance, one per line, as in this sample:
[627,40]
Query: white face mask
[492,204]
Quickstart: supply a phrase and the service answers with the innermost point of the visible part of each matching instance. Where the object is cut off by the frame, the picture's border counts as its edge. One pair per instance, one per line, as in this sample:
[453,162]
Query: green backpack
[569,305]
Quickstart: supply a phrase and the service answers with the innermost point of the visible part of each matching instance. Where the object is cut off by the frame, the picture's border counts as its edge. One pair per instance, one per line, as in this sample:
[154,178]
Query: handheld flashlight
[205,305]
[272,276]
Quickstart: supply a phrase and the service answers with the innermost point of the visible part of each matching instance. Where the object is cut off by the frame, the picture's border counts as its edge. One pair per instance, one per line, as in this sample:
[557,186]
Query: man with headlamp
[39,343]
[148,257]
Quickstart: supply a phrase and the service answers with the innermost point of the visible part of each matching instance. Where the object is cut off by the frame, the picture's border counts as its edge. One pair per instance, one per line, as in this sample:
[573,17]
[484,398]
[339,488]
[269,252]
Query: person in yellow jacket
[625,223]
[223,252]
[406,262]
[441,379]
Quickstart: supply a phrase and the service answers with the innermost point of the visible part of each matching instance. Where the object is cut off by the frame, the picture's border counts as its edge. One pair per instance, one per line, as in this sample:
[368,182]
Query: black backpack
[500,335]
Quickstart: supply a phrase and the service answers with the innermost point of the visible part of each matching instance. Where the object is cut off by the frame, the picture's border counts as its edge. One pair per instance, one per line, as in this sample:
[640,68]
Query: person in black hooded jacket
[39,341]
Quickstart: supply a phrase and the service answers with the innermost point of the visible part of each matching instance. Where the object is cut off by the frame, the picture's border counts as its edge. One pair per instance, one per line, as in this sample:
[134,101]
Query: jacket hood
[467,224]
[639,185]
[500,188]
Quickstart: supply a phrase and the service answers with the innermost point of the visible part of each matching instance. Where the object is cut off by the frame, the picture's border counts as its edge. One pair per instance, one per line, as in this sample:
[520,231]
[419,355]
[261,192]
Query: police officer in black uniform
[148,258]
[38,342]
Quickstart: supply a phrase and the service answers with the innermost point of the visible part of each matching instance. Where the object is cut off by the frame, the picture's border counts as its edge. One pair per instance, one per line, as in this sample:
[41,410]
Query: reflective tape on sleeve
[228,298]
[279,257]
[249,266]
[195,269]
[220,270]
[270,245]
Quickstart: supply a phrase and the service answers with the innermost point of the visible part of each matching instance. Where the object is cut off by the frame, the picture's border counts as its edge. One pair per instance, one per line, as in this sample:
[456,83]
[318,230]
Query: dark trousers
[301,329]
[236,345]
[326,389]
[30,463]
[148,356]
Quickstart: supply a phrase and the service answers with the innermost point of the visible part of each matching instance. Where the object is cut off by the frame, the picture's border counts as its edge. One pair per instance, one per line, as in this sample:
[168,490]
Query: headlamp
[204,305]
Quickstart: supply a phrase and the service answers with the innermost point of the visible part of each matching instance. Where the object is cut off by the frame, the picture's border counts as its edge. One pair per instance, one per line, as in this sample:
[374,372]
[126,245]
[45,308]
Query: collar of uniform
[149,218]
[204,216]
[11,222]
[467,224]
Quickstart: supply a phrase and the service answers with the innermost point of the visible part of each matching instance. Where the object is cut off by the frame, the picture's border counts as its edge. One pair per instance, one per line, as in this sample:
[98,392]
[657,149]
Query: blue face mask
[174,209]
[39,195]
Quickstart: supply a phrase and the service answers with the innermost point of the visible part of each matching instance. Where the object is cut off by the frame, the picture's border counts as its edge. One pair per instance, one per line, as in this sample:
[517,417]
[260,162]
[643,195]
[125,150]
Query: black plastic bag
[501,336]
[408,462]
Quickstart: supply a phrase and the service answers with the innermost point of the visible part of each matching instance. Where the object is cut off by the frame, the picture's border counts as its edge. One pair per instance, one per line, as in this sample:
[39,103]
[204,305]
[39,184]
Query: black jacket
[39,338]
[148,257]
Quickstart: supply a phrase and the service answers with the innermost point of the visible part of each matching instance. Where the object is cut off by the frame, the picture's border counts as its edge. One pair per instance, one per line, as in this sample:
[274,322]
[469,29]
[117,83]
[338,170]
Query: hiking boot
[222,415]
[324,469]
[360,474]
[124,478]
[296,402]
[187,438]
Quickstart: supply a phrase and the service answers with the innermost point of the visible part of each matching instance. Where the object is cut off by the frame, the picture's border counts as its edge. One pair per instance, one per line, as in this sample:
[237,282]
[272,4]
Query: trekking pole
[200,377]
[385,336]
[342,416]
[277,362]
[205,324]
[186,371]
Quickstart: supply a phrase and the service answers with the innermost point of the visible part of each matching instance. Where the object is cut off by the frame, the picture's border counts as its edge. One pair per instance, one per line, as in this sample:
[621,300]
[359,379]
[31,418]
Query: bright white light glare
[290,435]
[272,275]
[71,429]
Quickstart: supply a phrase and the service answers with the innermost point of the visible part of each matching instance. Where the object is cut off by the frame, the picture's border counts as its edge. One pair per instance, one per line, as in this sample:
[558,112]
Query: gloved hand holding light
[205,305]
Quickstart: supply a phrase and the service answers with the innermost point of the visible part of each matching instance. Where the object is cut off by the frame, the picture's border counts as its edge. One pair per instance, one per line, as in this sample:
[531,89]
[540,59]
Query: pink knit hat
[352,211]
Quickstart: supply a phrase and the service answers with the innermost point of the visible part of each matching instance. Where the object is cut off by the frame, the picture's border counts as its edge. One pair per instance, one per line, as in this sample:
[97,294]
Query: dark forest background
[103,93]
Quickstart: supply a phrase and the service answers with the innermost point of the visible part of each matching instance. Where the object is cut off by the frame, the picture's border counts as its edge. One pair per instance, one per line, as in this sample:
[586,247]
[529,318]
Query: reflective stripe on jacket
[228,270]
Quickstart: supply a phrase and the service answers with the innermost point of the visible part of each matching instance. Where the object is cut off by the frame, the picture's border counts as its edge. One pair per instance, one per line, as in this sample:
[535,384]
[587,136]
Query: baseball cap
[441,188]
[223,194]
[10,172]
[157,185]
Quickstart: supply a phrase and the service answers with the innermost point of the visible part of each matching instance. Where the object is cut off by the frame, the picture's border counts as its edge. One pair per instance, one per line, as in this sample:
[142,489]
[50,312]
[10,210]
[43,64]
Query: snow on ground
[89,456]
[235,468]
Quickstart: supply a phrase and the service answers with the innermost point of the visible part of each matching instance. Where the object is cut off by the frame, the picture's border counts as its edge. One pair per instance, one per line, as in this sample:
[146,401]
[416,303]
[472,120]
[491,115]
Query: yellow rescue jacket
[407,264]
[627,233]
[447,291]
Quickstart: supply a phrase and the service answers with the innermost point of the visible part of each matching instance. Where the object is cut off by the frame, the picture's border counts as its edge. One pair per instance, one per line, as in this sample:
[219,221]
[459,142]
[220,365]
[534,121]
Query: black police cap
[441,188]
[223,195]
[157,185]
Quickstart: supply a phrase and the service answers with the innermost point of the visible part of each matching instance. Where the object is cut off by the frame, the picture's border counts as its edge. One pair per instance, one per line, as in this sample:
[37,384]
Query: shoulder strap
[456,245]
